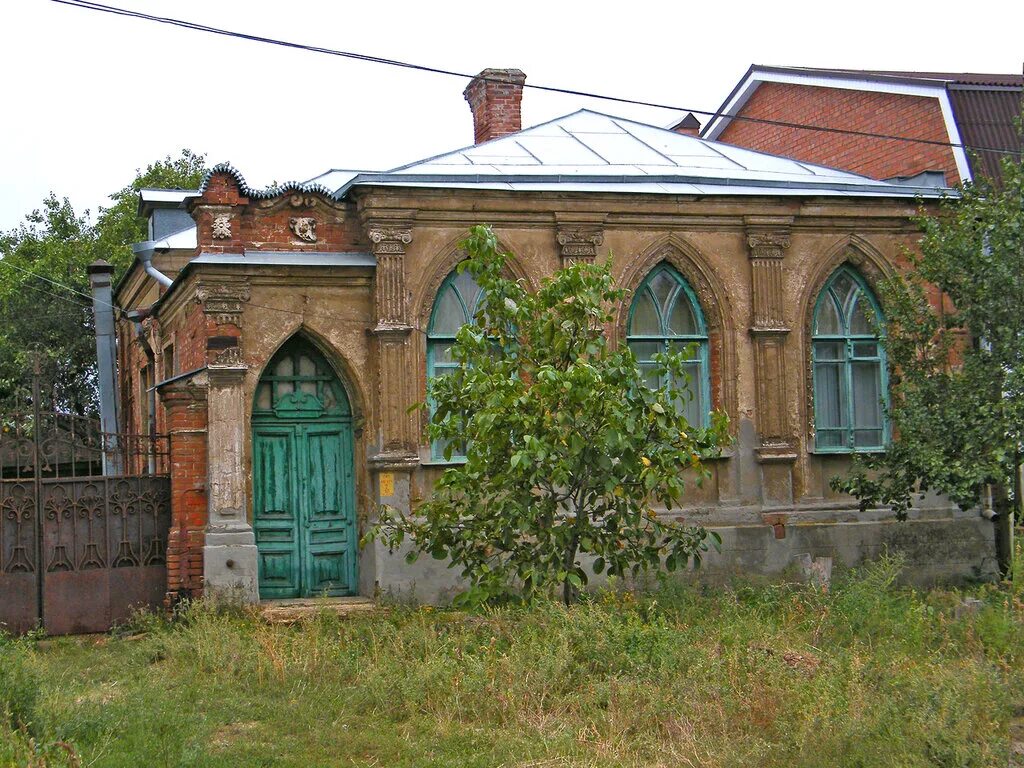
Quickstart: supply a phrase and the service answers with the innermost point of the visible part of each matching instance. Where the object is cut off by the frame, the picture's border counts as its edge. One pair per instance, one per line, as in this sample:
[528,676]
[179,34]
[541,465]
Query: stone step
[291,611]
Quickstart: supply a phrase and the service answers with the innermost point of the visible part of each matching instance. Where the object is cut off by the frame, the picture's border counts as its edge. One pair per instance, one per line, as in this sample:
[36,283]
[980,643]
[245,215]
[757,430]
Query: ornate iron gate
[84,517]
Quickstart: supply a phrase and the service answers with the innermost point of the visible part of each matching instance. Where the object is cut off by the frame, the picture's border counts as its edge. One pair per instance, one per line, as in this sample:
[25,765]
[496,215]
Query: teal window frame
[436,341]
[666,338]
[852,347]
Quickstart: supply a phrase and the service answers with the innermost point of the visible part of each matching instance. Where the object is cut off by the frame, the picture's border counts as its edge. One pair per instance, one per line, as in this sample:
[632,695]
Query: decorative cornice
[299,187]
[389,240]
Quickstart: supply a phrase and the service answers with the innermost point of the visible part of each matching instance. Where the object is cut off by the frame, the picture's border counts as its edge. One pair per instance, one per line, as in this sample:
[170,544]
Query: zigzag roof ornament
[264,194]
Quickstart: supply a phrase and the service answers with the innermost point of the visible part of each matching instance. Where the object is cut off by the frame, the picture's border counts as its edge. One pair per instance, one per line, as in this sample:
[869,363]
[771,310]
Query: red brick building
[963,123]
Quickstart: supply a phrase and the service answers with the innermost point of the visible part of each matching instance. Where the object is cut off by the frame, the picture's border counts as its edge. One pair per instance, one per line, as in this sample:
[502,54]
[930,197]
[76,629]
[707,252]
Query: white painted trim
[755,78]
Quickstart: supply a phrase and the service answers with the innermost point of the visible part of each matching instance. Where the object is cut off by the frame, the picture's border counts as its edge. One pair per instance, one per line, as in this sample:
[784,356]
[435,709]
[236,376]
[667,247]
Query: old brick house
[286,341]
[965,122]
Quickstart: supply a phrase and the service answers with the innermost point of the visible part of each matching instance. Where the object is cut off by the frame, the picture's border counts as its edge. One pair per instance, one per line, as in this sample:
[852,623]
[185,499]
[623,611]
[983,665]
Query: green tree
[566,447]
[45,299]
[955,343]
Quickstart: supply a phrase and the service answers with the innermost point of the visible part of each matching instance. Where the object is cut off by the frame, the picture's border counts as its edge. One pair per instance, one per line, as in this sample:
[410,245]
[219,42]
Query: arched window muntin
[298,381]
[849,369]
[455,305]
[665,315]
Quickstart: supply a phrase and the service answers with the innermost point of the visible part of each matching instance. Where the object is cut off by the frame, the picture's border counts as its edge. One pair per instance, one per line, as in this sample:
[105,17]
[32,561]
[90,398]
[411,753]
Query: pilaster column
[230,560]
[397,433]
[768,239]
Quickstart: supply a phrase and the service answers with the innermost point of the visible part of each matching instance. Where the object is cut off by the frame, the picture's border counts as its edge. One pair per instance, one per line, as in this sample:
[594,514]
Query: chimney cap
[100,267]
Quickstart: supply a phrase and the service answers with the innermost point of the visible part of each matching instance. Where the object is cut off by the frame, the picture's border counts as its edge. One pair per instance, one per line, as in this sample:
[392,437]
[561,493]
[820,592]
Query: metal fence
[84,518]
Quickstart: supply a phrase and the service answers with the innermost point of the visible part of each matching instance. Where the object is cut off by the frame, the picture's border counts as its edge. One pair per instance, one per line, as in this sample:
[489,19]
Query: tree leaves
[955,343]
[567,449]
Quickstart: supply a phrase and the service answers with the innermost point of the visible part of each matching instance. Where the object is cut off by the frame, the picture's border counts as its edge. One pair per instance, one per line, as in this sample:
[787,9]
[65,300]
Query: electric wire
[197,27]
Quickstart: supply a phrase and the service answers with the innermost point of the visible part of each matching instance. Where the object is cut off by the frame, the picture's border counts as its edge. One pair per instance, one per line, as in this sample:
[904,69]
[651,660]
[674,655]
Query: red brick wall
[917,117]
[186,418]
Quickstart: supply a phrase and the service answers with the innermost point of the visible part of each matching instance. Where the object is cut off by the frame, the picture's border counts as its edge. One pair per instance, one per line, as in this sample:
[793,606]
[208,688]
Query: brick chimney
[495,96]
[689,125]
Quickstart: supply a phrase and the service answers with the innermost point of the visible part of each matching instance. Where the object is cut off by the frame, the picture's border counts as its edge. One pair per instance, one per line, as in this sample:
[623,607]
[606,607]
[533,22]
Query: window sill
[454,462]
[844,451]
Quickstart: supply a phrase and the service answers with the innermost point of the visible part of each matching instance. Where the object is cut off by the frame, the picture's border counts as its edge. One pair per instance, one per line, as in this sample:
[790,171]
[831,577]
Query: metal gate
[84,518]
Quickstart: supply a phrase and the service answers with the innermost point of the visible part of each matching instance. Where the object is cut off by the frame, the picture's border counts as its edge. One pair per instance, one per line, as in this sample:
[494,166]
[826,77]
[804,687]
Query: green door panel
[329,505]
[276,510]
[303,478]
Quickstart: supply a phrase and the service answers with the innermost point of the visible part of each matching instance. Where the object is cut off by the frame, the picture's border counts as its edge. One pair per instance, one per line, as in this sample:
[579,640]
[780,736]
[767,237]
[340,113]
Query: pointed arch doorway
[303,477]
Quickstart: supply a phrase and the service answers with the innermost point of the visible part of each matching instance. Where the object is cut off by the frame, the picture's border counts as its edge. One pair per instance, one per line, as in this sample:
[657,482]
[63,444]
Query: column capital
[389,239]
[579,242]
[228,369]
[223,299]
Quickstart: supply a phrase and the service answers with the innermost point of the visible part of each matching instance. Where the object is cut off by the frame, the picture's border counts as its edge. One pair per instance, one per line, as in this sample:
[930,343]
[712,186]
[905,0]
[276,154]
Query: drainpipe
[144,252]
[100,274]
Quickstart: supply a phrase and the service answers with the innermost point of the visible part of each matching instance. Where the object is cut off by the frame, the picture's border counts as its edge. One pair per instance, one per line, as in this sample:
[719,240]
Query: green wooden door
[303,478]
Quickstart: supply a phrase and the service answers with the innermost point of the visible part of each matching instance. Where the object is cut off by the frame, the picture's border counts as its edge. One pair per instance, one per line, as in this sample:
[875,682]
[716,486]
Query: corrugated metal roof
[985,119]
[591,151]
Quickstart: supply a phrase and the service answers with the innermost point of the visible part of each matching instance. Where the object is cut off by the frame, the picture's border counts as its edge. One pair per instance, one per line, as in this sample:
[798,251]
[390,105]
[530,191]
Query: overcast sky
[90,97]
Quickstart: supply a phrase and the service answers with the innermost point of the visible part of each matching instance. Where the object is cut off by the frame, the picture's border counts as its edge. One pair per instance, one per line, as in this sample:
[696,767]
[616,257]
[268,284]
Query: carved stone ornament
[580,243]
[768,245]
[301,201]
[223,301]
[304,228]
[229,358]
[221,226]
[389,241]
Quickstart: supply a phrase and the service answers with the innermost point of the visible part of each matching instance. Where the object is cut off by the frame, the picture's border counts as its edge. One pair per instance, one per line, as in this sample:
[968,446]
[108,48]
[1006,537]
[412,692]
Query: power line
[66,287]
[195,26]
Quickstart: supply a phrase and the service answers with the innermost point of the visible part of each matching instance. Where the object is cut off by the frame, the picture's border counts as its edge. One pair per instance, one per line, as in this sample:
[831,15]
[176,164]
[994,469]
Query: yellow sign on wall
[387,484]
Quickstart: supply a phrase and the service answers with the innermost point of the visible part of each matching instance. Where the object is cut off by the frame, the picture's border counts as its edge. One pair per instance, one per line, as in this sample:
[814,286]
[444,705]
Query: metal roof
[985,118]
[951,78]
[594,152]
[291,258]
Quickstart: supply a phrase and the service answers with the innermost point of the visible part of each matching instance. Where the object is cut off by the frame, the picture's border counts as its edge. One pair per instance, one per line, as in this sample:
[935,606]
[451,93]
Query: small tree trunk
[568,591]
[1004,528]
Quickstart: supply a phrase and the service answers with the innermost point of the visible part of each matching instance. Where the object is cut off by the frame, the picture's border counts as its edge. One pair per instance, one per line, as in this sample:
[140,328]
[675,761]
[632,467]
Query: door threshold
[291,610]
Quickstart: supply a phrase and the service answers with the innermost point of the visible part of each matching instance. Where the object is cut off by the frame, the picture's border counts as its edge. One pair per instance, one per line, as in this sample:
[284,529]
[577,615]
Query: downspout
[136,317]
[144,252]
[100,274]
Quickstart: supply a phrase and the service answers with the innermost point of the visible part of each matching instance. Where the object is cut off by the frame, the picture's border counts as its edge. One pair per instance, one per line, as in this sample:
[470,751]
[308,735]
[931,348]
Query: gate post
[230,558]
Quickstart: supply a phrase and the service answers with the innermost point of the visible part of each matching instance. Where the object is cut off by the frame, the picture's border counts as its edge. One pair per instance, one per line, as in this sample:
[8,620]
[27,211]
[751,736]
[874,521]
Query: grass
[868,674]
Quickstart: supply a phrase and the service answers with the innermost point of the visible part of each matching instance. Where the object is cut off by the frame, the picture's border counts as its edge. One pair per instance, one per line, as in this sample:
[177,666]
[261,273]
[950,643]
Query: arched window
[665,316]
[455,306]
[850,382]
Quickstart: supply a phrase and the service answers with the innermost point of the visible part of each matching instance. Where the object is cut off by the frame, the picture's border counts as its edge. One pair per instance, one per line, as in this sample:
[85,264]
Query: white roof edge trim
[755,77]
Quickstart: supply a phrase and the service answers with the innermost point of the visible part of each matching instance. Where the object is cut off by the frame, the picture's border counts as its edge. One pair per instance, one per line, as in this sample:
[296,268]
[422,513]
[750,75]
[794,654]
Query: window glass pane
[829,350]
[284,367]
[867,438]
[441,352]
[663,286]
[830,438]
[844,288]
[263,397]
[684,347]
[829,396]
[867,394]
[284,388]
[449,315]
[862,319]
[826,320]
[865,349]
[644,350]
[681,320]
[645,320]
[306,366]
[330,401]
[468,289]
